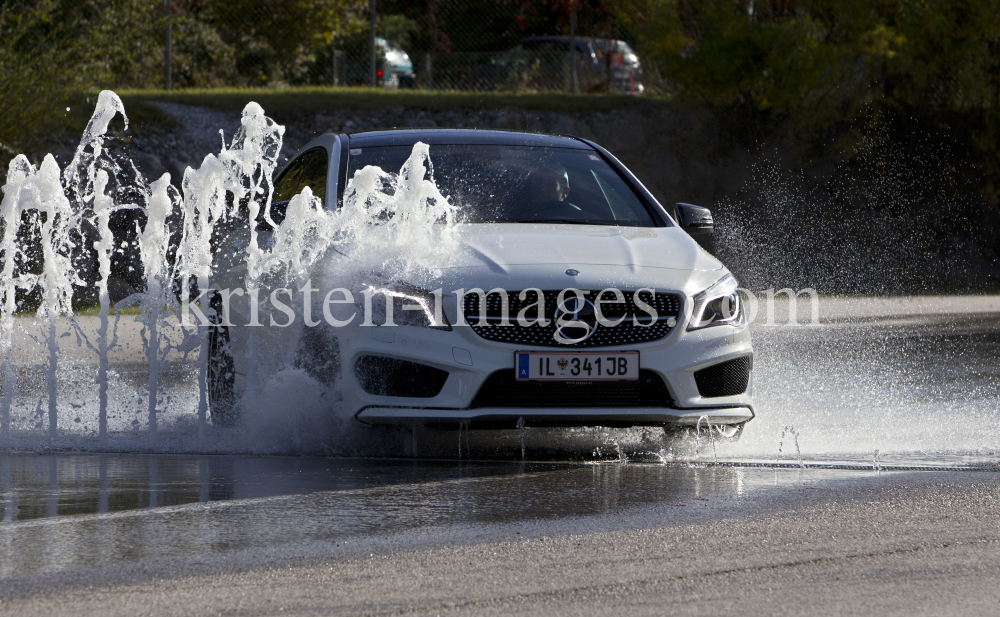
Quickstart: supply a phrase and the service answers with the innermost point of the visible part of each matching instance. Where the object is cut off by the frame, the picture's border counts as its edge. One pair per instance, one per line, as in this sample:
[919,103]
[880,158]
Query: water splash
[157,301]
[103,205]
[613,439]
[39,192]
[790,431]
[520,430]
[226,194]
[10,212]
[709,429]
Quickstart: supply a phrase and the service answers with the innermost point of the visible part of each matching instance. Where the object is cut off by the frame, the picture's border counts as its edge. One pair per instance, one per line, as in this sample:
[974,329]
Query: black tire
[319,355]
[221,378]
[722,433]
[732,432]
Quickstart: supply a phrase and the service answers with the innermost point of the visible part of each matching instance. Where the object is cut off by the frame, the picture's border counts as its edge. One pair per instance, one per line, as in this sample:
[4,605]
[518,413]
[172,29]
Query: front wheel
[221,378]
[722,433]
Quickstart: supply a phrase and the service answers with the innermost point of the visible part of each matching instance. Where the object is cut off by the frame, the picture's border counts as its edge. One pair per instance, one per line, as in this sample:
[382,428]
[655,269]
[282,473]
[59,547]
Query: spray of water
[39,192]
[177,248]
[520,430]
[794,435]
[10,212]
[394,225]
[709,430]
[103,205]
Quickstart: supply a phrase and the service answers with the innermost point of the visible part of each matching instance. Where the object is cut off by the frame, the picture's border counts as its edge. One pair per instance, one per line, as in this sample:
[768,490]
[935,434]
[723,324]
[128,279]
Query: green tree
[795,54]
[949,56]
[267,42]
[36,69]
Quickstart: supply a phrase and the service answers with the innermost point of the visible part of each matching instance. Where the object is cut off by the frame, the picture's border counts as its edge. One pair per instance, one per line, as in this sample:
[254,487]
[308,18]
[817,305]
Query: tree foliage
[799,55]
[36,69]
[259,42]
[821,59]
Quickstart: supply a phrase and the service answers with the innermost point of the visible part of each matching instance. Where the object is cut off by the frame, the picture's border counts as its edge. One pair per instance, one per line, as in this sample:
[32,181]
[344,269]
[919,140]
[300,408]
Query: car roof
[408,137]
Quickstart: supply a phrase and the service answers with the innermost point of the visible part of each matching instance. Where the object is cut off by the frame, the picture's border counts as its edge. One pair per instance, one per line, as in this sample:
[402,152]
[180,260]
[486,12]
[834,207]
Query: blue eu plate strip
[522,365]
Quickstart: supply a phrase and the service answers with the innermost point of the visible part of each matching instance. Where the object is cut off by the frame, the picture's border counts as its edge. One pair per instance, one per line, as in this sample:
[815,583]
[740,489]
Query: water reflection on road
[65,511]
[40,486]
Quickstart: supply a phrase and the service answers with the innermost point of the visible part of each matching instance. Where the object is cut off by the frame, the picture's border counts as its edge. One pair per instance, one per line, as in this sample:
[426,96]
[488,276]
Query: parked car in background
[394,69]
[396,66]
[622,63]
[543,62]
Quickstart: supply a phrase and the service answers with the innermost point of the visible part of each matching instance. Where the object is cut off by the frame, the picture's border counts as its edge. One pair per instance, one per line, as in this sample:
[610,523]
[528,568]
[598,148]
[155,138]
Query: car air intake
[667,307]
[501,389]
[392,377]
[727,378]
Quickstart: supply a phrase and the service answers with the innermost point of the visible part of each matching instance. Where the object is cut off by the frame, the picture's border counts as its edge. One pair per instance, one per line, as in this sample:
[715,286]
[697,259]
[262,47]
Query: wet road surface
[110,508]
[329,537]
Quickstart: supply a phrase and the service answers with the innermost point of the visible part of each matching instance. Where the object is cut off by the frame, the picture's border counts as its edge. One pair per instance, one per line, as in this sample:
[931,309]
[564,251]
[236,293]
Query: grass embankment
[90,311]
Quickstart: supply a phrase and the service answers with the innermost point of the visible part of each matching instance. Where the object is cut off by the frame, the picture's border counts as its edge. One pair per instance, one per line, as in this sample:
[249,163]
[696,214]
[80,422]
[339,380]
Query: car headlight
[719,305]
[411,306]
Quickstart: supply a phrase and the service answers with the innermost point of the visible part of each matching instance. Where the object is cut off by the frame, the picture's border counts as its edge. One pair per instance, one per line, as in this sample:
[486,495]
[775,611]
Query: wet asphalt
[596,539]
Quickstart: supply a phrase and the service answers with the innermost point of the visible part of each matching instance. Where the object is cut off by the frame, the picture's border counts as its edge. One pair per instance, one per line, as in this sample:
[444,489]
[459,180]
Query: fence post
[574,84]
[166,51]
[371,44]
[339,67]
[429,70]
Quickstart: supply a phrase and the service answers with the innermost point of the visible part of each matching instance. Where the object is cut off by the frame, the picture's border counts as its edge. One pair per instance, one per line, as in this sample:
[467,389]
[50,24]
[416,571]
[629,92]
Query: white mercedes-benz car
[576,298]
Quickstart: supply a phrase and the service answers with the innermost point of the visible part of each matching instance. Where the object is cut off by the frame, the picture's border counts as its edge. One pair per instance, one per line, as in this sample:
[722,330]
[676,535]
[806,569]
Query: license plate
[576,366]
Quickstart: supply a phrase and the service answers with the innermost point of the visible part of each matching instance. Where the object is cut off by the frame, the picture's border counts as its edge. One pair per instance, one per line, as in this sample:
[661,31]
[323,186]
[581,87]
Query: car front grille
[666,305]
[501,389]
[727,378]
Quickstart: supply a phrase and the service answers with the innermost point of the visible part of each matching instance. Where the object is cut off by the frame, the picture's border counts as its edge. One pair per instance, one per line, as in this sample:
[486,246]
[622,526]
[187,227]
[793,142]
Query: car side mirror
[695,219]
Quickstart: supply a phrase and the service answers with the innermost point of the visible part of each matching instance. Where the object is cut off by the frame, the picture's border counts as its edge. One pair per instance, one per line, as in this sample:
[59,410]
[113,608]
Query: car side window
[310,170]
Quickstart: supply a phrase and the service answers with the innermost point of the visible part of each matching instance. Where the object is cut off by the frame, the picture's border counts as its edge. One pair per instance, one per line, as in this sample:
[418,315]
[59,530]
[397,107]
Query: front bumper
[470,360]
[508,417]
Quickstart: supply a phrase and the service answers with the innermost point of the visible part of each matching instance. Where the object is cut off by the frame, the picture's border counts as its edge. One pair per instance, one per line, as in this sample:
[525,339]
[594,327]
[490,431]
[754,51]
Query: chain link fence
[470,45]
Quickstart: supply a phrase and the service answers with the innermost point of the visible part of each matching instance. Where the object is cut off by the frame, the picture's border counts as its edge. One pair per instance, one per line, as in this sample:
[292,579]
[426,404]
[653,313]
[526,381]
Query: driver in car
[548,188]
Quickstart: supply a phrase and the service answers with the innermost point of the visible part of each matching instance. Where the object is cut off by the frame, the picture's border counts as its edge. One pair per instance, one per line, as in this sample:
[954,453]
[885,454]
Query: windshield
[521,184]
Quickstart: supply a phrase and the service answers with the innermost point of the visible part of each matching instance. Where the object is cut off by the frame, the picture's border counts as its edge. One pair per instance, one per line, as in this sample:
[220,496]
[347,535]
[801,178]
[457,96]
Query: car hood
[501,246]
